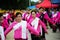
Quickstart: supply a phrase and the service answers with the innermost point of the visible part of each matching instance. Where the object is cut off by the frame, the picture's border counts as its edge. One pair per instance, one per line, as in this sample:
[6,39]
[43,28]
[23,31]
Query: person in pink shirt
[57,20]
[54,17]
[44,17]
[1,18]
[2,27]
[7,16]
[43,13]
[27,15]
[4,22]
[20,28]
[37,24]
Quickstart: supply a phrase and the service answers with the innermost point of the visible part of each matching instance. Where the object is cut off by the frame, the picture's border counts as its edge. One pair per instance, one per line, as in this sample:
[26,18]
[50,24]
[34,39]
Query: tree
[33,3]
[22,4]
[15,4]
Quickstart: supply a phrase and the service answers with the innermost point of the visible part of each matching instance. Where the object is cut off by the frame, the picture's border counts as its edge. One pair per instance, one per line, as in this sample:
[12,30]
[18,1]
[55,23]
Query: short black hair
[33,11]
[1,14]
[55,9]
[41,8]
[18,14]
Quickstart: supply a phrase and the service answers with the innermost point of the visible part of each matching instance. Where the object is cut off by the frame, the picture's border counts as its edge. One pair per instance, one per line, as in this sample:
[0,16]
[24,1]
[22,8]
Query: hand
[54,24]
[38,35]
[46,32]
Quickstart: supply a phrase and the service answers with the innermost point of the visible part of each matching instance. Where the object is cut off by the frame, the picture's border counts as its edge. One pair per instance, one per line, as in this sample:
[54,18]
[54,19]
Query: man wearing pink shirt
[44,17]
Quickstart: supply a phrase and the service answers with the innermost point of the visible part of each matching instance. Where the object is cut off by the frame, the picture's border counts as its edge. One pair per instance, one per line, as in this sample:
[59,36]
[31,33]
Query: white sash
[55,15]
[22,24]
[17,26]
[2,33]
[6,15]
[27,16]
[41,29]
[44,12]
[35,23]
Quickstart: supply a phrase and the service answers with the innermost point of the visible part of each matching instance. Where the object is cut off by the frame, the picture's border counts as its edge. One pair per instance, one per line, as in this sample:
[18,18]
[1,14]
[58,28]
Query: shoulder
[13,23]
[37,18]
[44,12]
[24,21]
[58,12]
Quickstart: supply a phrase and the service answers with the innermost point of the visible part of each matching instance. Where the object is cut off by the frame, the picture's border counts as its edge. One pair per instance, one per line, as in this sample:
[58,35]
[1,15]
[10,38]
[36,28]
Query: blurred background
[14,6]
[23,4]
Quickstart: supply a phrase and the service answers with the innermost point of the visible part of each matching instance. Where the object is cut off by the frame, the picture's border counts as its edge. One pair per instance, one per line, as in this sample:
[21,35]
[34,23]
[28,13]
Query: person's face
[18,18]
[33,14]
[1,19]
[54,10]
[12,10]
[28,11]
[41,10]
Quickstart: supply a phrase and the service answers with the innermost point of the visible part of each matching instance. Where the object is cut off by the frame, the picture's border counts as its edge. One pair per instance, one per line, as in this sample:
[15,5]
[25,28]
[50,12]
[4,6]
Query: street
[49,36]
[53,36]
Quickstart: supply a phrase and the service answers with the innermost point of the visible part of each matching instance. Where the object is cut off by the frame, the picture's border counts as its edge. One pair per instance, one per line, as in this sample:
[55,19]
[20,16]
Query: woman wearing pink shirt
[54,17]
[44,17]
[2,37]
[37,24]
[7,16]
[4,22]
[27,15]
[57,21]
[20,28]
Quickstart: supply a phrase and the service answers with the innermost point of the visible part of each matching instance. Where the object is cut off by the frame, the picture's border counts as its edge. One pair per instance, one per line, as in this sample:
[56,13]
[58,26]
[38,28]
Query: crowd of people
[35,21]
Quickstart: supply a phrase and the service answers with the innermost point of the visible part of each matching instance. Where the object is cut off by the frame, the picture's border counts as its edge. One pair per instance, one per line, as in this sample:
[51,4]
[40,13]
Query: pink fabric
[39,23]
[26,17]
[46,17]
[53,18]
[18,32]
[9,17]
[43,25]
[5,24]
[38,15]
[23,16]
[57,18]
